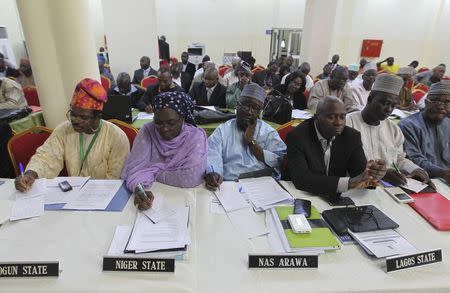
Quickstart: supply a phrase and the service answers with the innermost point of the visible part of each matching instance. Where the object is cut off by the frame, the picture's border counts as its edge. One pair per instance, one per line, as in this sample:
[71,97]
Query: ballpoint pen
[21,169]
[396,168]
[142,193]
[212,169]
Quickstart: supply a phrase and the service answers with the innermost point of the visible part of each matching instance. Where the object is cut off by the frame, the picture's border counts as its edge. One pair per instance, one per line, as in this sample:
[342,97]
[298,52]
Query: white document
[230,197]
[265,192]
[38,188]
[120,239]
[27,207]
[145,116]
[300,114]
[170,233]
[5,210]
[95,195]
[159,210]
[209,107]
[399,113]
[415,185]
[215,207]
[55,195]
[248,223]
[383,243]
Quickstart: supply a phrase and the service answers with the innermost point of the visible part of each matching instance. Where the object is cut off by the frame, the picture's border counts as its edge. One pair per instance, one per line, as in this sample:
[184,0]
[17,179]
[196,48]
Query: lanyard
[83,156]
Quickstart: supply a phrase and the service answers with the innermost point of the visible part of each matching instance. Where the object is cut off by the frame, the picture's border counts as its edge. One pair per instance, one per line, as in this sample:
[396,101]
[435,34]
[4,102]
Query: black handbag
[205,116]
[277,108]
[9,115]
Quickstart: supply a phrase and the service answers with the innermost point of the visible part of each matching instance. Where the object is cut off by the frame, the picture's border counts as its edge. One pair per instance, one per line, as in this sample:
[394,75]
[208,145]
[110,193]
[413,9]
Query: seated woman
[170,150]
[86,144]
[293,88]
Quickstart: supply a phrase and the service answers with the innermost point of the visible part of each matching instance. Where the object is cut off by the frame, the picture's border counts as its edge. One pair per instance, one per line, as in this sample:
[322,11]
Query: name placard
[278,261]
[402,262]
[29,269]
[125,264]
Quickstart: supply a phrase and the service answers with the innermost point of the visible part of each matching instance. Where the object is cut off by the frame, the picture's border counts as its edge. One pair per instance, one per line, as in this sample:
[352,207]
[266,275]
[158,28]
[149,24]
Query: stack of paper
[264,193]
[29,204]
[230,197]
[319,240]
[383,243]
[159,210]
[55,195]
[300,114]
[95,195]
[170,233]
[414,185]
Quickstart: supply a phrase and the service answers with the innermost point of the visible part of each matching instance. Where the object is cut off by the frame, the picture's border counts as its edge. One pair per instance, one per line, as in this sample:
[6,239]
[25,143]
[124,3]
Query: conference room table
[217,259]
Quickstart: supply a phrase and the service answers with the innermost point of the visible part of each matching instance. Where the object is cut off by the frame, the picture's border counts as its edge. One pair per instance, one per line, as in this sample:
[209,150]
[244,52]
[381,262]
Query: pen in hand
[214,177]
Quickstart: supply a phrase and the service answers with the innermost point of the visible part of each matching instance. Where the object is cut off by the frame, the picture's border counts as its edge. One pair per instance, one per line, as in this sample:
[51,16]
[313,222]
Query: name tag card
[278,261]
[125,264]
[395,263]
[31,269]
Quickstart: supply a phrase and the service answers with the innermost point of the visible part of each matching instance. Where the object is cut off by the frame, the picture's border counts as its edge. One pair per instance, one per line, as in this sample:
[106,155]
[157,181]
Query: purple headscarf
[179,162]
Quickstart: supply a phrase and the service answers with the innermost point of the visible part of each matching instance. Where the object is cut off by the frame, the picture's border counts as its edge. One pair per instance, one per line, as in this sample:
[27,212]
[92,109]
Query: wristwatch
[252,143]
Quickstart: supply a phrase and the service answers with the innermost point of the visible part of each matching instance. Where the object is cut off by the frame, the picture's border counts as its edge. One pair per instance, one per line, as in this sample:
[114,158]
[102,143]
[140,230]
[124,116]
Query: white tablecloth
[217,258]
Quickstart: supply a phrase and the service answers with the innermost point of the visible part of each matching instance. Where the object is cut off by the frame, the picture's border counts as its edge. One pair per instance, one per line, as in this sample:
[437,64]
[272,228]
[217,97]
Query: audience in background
[327,68]
[164,49]
[232,75]
[382,138]
[106,72]
[389,66]
[26,74]
[305,68]
[353,71]
[175,70]
[293,89]
[187,72]
[145,70]
[290,64]
[414,64]
[268,78]
[125,88]
[209,92]
[165,84]
[244,144]
[431,76]
[234,91]
[11,95]
[103,146]
[361,87]
[334,61]
[405,100]
[427,133]
[199,77]
[6,70]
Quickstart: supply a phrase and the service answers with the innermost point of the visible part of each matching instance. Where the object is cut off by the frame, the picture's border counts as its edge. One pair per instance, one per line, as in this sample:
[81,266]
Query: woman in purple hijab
[170,150]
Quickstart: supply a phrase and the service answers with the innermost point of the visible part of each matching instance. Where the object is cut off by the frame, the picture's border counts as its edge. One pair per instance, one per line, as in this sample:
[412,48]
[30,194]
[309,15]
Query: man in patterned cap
[85,144]
[427,133]
[244,144]
[381,138]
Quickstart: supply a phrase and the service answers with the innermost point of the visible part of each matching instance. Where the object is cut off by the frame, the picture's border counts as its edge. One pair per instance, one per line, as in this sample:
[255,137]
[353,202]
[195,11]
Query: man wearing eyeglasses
[427,133]
[86,145]
[244,144]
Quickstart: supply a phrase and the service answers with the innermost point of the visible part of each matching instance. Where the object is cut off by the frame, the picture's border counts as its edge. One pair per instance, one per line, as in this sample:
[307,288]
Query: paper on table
[120,239]
[55,195]
[300,114]
[414,185]
[159,210]
[399,113]
[216,207]
[38,188]
[95,195]
[27,207]
[248,223]
[383,243]
[209,107]
[265,192]
[145,116]
[230,197]
[5,210]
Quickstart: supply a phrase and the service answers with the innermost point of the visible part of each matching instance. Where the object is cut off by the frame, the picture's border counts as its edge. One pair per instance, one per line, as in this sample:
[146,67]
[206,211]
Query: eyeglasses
[70,116]
[248,108]
[440,103]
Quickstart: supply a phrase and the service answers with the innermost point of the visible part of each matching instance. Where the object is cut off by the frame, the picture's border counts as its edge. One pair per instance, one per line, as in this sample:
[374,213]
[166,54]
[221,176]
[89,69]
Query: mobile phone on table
[302,207]
[65,186]
[398,194]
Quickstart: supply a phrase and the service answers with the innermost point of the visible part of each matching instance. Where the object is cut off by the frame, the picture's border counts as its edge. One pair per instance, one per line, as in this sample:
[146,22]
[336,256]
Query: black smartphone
[65,186]
[302,207]
[342,201]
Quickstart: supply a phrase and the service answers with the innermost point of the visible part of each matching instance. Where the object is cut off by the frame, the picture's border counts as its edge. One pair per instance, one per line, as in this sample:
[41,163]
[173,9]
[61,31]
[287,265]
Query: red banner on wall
[371,48]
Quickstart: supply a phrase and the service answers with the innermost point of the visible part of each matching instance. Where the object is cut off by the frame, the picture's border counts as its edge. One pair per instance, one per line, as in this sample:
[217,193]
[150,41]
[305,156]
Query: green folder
[318,238]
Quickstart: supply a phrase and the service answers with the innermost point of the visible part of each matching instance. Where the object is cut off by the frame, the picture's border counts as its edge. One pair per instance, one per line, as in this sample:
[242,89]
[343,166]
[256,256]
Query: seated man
[321,151]
[268,78]
[244,144]
[234,90]
[232,75]
[431,76]
[389,67]
[11,95]
[381,138]
[170,150]
[209,92]
[125,88]
[335,86]
[26,74]
[165,84]
[145,70]
[361,86]
[86,145]
[427,133]
[405,100]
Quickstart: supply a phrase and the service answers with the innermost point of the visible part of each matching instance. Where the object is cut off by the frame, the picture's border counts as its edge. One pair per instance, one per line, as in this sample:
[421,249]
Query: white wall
[10,18]
[226,26]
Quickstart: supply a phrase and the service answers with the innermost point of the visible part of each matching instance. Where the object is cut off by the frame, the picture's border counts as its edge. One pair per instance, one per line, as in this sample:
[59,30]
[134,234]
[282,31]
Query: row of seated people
[326,155]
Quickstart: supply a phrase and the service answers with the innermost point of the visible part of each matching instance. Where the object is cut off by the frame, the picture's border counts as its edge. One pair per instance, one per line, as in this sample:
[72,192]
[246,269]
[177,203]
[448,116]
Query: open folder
[433,207]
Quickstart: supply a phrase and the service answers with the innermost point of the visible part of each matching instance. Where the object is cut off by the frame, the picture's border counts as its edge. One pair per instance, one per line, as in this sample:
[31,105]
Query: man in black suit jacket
[187,73]
[146,70]
[268,78]
[165,84]
[125,88]
[326,158]
[209,92]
